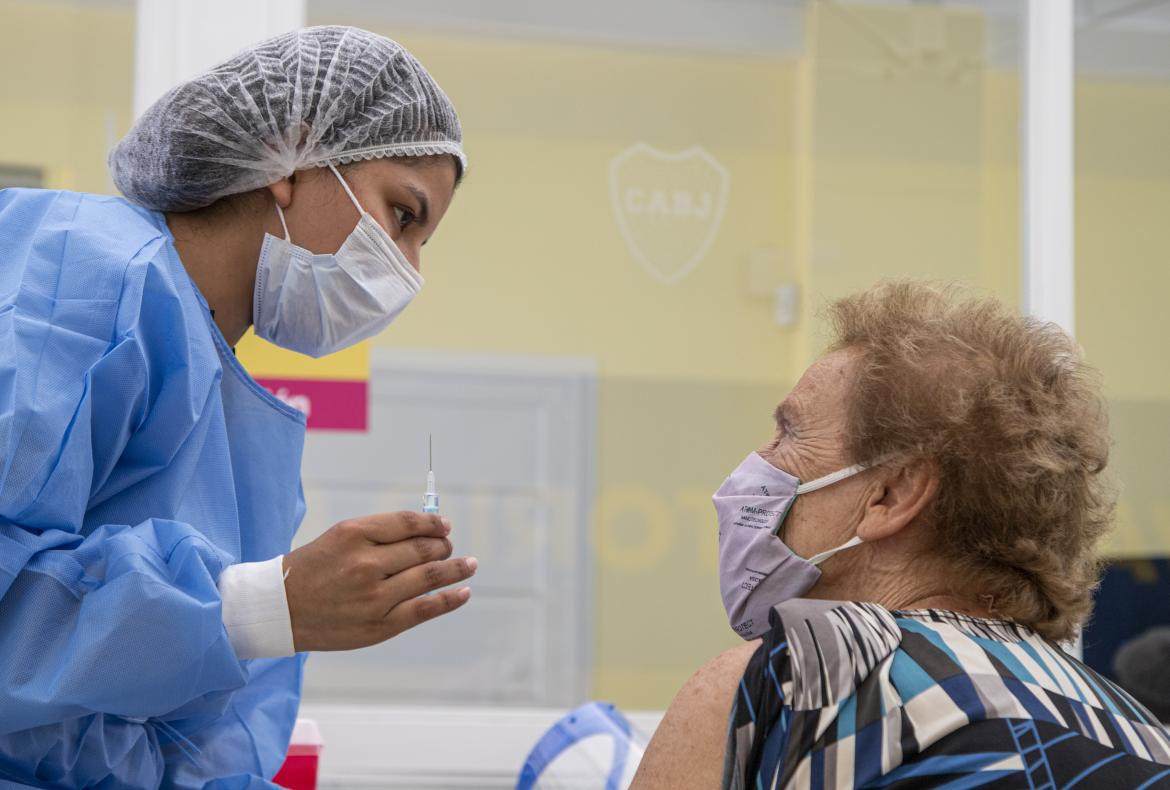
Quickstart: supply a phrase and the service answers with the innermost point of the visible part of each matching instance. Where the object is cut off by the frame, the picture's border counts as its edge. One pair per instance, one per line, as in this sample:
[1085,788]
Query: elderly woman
[955,455]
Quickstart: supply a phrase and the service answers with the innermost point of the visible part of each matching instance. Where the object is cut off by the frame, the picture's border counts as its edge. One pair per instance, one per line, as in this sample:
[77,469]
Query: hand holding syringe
[396,571]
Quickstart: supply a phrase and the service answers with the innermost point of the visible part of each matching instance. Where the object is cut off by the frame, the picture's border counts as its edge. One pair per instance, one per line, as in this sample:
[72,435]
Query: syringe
[431,496]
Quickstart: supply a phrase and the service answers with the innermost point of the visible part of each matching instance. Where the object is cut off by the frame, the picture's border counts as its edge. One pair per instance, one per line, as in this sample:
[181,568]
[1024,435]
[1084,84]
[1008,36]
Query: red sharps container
[299,771]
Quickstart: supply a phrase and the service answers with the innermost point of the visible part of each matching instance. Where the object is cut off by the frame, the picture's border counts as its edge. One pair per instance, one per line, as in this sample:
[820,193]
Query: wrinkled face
[808,444]
[406,197]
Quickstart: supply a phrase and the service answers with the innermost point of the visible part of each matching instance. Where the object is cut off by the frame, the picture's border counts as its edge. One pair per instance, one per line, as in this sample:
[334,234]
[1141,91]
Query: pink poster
[329,405]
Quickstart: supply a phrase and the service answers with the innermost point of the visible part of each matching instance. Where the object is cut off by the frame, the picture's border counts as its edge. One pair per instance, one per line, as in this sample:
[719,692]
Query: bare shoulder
[687,750]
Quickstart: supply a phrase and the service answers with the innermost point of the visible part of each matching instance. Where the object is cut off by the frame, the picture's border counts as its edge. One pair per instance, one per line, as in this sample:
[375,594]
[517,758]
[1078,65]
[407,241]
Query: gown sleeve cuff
[255,609]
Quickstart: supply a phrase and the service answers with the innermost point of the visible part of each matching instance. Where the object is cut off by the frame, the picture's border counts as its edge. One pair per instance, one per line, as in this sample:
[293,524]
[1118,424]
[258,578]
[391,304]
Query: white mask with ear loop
[318,304]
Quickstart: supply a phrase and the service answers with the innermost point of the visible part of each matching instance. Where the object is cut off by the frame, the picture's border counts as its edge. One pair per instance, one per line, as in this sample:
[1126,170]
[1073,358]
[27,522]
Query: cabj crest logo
[668,206]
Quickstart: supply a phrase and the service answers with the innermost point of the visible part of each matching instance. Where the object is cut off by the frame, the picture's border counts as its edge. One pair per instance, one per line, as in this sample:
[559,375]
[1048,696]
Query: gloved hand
[364,581]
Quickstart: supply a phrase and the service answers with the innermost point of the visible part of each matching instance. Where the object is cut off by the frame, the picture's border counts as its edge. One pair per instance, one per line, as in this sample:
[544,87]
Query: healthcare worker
[149,488]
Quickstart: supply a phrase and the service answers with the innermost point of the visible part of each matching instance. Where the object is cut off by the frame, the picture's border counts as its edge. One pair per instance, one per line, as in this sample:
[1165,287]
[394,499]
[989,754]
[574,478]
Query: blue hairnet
[317,96]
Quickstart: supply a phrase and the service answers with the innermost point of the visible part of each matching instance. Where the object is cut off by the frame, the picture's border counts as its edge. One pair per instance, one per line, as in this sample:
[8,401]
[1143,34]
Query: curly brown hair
[1014,421]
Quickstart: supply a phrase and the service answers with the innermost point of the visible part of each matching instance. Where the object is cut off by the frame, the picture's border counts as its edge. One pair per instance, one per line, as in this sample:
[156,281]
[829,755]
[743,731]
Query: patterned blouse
[853,695]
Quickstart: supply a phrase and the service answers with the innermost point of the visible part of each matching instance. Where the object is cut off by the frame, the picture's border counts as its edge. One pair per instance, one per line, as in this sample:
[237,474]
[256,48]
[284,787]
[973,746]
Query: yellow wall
[896,174]
[1123,278]
[67,90]
[844,166]
[530,258]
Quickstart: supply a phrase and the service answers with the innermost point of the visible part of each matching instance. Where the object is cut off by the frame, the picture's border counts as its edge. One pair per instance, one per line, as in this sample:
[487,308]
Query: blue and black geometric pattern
[846,695]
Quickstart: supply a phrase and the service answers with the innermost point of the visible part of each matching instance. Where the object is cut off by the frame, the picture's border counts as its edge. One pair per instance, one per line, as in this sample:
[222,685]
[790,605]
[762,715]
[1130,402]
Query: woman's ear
[902,493]
[282,191]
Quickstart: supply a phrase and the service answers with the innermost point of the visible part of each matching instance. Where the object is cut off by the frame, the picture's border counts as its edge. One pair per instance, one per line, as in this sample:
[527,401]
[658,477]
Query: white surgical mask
[318,304]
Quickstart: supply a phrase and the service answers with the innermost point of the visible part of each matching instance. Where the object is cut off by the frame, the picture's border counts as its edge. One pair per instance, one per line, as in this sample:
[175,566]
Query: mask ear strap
[348,191]
[824,555]
[828,480]
[838,476]
[283,224]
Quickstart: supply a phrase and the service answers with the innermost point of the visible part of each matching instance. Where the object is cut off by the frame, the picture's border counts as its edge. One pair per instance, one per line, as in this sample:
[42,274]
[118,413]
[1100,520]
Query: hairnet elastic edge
[394,149]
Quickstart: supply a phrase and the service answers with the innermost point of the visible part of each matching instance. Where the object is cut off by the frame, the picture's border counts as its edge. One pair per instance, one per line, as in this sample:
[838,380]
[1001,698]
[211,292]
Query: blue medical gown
[137,461]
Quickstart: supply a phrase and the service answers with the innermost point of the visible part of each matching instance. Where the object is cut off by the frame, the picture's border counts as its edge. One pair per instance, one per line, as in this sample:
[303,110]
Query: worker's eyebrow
[424,203]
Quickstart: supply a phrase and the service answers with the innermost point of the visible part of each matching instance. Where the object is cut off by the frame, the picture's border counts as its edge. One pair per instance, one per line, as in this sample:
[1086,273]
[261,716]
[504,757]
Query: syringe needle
[430,496]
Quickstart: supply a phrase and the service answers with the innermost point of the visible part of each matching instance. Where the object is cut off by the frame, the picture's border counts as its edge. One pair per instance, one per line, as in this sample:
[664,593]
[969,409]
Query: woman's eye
[404,216]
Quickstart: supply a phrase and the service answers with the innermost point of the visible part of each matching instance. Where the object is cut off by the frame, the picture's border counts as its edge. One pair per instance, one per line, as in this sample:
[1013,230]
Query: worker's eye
[404,216]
